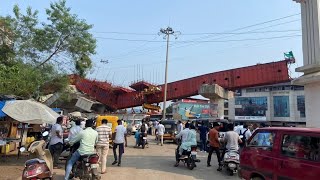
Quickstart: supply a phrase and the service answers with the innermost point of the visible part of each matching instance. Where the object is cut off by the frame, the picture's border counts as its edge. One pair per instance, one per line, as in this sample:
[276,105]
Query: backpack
[243,139]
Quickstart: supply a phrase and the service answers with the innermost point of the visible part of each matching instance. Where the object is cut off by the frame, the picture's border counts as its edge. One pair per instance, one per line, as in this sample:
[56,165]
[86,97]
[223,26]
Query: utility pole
[167,32]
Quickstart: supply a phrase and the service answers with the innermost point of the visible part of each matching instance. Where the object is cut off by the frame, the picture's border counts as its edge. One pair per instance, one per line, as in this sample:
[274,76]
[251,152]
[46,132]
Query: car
[281,153]
[133,125]
[171,130]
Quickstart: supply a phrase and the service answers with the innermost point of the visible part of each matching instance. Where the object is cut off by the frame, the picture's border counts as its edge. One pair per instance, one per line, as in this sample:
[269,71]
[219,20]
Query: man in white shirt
[119,139]
[161,130]
[183,135]
[179,127]
[74,131]
[246,133]
[56,141]
[232,139]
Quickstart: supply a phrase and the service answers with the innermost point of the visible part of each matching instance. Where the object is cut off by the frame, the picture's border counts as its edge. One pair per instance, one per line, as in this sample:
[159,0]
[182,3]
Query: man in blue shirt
[203,136]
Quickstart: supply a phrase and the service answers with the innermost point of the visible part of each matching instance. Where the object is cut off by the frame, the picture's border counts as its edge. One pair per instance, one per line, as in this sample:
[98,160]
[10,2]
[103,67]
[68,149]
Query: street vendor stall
[29,114]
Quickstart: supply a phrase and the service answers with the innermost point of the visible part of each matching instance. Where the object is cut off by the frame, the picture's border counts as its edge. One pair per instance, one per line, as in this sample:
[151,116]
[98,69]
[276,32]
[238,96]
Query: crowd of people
[91,139]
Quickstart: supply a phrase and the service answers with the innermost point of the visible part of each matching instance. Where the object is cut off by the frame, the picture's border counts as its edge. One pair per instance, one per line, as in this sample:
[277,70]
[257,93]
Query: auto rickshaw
[112,121]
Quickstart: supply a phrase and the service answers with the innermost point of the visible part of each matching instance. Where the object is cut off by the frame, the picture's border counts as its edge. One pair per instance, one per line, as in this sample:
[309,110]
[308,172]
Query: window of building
[226,112]
[301,147]
[301,106]
[263,139]
[226,104]
[251,106]
[281,106]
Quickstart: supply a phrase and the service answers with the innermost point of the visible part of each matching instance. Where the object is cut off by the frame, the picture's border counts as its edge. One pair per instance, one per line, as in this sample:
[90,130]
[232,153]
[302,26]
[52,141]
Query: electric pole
[167,32]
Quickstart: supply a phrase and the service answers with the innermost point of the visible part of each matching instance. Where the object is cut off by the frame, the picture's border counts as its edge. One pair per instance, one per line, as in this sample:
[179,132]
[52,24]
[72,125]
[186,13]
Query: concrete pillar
[217,95]
[310,18]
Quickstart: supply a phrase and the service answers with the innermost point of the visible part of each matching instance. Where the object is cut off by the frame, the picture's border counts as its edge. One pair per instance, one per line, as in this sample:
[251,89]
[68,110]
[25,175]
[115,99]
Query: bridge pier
[310,19]
[217,96]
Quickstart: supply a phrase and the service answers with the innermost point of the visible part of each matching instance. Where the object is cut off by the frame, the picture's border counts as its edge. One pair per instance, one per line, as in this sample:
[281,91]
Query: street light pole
[167,32]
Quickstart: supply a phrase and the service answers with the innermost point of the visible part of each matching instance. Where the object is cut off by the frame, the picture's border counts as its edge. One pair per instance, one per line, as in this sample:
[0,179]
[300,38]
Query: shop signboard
[251,118]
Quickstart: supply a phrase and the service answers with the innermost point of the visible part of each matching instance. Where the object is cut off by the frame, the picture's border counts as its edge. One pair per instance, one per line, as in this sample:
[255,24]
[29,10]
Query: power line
[156,49]
[182,58]
[204,41]
[131,33]
[223,37]
[203,33]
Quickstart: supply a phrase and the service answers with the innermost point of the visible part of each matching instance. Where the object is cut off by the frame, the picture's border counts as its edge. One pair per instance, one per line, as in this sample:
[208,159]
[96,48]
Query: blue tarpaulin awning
[2,114]
[57,110]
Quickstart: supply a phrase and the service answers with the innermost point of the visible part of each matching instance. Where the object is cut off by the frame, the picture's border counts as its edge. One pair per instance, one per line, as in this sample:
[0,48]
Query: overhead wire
[204,41]
[174,45]
[157,48]
[215,34]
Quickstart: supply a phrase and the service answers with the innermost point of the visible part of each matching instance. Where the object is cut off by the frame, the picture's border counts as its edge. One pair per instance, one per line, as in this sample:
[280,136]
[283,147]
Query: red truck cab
[282,154]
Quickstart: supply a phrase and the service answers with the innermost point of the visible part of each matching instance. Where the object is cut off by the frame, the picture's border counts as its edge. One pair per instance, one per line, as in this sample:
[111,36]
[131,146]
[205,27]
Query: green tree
[31,51]
[63,37]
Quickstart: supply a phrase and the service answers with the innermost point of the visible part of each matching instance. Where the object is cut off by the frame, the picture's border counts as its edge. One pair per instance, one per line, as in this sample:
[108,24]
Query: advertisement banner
[251,118]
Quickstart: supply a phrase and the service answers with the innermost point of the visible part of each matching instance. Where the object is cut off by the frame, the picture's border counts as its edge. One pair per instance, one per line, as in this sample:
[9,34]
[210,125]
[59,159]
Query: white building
[278,105]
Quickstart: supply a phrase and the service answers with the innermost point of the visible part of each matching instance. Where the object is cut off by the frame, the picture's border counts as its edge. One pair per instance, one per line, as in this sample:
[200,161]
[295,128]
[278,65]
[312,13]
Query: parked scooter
[41,167]
[189,157]
[231,162]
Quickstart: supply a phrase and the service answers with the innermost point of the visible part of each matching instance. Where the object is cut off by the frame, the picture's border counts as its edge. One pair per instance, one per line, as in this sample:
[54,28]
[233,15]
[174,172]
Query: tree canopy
[35,54]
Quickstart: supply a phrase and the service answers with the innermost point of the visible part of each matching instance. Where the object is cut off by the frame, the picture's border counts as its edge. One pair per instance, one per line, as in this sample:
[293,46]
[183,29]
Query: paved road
[156,162]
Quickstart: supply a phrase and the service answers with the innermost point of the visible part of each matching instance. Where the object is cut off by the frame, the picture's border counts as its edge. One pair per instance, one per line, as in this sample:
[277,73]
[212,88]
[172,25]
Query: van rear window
[301,147]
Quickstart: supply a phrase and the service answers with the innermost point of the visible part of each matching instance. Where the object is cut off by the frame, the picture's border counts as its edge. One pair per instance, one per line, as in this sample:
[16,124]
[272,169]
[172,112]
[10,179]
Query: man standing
[119,140]
[56,141]
[104,131]
[179,127]
[214,145]
[245,133]
[154,127]
[161,130]
[203,136]
[87,139]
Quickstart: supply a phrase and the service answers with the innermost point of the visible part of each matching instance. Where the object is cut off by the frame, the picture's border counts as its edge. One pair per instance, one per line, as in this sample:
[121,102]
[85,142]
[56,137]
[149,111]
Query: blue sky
[131,60]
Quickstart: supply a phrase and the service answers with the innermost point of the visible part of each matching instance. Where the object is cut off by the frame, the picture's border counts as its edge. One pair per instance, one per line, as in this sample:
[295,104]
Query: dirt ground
[155,162]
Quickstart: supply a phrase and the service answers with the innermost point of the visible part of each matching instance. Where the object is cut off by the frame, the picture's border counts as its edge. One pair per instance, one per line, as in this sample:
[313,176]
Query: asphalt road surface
[156,162]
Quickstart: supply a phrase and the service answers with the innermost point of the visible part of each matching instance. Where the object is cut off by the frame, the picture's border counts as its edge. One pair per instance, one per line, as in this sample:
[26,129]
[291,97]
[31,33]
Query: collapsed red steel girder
[119,97]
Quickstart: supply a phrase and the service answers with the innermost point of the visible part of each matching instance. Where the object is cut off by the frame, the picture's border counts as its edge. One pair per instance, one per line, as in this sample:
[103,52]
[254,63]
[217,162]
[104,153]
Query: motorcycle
[231,162]
[41,167]
[142,140]
[86,168]
[188,157]
[66,150]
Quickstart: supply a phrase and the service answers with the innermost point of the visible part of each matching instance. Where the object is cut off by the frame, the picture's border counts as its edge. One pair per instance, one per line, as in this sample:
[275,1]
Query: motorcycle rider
[88,139]
[232,140]
[74,131]
[190,141]
[183,136]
